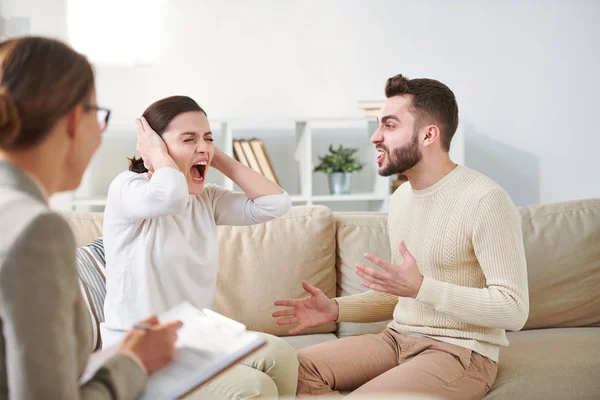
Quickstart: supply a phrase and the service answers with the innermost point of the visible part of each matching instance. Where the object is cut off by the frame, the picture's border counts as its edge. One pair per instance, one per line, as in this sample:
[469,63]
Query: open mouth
[380,156]
[198,171]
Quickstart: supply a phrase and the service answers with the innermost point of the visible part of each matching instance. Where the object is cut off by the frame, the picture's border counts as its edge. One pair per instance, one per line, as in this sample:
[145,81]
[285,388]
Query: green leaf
[342,159]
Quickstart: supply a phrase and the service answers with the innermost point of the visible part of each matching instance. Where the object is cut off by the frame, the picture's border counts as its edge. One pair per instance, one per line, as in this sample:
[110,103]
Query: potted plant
[339,164]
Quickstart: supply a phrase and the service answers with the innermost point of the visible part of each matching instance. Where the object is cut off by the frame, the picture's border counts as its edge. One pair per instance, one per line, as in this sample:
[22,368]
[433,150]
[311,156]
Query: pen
[143,325]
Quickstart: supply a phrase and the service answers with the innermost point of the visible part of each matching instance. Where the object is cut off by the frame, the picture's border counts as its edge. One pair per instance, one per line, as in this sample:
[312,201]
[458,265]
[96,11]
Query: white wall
[47,18]
[524,73]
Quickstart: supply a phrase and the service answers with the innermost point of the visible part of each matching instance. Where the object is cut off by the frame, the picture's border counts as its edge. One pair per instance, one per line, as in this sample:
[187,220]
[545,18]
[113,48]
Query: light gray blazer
[46,336]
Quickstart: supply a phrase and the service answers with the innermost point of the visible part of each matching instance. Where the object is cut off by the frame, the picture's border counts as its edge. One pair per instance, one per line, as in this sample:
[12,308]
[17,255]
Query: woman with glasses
[50,126]
[161,243]
[103,114]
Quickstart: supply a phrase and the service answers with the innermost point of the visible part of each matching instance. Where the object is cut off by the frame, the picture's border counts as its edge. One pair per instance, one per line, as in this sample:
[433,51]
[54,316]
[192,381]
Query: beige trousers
[269,373]
[391,363]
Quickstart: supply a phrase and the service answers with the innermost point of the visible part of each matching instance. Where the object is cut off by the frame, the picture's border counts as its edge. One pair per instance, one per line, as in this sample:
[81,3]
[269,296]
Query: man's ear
[432,134]
[73,121]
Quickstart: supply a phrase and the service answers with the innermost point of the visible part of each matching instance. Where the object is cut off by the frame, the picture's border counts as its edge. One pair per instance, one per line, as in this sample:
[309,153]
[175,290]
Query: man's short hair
[433,103]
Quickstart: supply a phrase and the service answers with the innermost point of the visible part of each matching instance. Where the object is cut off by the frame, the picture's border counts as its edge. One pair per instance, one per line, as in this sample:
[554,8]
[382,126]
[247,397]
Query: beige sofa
[556,355]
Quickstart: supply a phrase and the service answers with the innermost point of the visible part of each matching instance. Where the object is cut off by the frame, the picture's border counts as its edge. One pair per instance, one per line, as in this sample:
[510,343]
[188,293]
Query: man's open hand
[403,280]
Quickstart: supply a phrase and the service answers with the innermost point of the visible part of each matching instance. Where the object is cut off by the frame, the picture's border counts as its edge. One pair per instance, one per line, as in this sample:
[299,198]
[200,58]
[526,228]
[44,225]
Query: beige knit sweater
[465,233]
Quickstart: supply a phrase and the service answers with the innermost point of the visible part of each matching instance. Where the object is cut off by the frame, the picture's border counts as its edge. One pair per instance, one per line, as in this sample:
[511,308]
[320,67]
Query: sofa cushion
[261,263]
[562,246]
[358,233]
[86,226]
[91,267]
[549,364]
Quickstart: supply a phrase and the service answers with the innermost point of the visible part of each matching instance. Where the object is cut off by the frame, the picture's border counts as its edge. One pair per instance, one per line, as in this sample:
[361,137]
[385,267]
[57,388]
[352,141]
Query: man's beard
[402,159]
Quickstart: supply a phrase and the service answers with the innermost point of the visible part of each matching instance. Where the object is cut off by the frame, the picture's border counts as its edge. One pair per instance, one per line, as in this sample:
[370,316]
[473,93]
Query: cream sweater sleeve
[498,244]
[370,306]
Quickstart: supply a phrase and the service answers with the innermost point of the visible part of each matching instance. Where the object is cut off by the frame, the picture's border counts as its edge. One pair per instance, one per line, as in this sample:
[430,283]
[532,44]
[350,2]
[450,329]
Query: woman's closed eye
[193,140]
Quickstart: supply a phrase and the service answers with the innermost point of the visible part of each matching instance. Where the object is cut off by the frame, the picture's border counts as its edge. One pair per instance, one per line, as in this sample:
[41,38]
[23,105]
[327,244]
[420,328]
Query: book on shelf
[252,153]
[249,154]
[207,344]
[372,113]
[238,152]
[260,152]
[371,107]
[370,104]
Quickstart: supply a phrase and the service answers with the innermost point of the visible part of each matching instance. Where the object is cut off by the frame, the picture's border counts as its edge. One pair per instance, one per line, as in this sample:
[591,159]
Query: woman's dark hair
[41,80]
[159,115]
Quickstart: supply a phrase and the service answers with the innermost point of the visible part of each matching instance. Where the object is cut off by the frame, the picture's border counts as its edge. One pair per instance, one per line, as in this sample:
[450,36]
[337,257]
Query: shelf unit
[305,155]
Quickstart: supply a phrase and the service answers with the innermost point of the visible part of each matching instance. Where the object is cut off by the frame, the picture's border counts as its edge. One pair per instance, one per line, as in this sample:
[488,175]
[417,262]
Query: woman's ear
[73,121]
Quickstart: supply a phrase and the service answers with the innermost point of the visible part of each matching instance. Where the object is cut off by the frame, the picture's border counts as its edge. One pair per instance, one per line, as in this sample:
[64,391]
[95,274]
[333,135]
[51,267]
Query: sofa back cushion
[259,264]
[358,233]
[86,226]
[562,246]
[263,263]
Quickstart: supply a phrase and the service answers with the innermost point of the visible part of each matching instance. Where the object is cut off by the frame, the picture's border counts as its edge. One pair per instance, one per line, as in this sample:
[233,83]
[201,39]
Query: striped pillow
[91,266]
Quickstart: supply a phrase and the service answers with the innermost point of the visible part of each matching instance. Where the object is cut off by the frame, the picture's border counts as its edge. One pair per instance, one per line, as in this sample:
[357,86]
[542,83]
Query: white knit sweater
[465,234]
[161,243]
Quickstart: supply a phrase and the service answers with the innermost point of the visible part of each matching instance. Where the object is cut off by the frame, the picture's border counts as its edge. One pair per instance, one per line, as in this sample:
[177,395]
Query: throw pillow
[91,267]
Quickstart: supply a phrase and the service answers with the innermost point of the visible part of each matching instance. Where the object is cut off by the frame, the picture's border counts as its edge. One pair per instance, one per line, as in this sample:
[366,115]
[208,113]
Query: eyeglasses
[103,114]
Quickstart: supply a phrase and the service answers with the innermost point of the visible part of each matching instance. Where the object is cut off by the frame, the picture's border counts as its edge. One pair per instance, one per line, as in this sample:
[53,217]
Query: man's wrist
[335,309]
[417,287]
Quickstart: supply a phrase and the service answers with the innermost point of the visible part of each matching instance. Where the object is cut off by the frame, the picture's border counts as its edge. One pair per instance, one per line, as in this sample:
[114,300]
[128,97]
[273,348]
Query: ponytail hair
[10,121]
[137,165]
